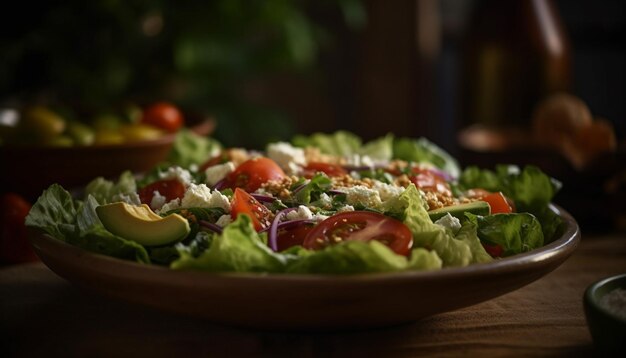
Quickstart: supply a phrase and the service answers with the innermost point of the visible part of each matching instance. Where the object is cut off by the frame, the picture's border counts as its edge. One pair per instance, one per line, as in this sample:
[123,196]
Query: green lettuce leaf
[192,149]
[422,259]
[347,144]
[107,191]
[422,150]
[530,189]
[350,257]
[238,249]
[76,223]
[312,190]
[516,233]
[459,250]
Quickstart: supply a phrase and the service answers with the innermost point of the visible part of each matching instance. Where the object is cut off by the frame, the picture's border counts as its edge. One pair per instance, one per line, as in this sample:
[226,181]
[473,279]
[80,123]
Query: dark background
[270,69]
[274,68]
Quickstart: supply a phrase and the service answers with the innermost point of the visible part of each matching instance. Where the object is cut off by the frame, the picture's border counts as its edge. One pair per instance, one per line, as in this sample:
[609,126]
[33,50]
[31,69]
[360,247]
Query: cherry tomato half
[363,226]
[244,203]
[163,115]
[292,236]
[253,173]
[332,170]
[14,245]
[169,188]
[429,180]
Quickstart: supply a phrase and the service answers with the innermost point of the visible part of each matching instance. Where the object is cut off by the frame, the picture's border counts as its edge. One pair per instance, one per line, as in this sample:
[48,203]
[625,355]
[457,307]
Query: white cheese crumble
[325,201]
[182,175]
[224,220]
[171,205]
[362,195]
[387,191]
[358,160]
[218,172]
[450,222]
[302,213]
[288,157]
[345,208]
[201,196]
[158,201]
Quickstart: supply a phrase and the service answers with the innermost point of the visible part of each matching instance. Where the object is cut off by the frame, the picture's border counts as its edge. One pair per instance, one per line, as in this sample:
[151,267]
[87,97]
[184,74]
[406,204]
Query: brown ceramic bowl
[309,302]
[28,170]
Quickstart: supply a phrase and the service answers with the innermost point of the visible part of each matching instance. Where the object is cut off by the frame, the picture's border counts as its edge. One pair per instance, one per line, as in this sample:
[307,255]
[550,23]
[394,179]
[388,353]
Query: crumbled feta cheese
[320,217]
[179,173]
[171,205]
[362,195]
[158,201]
[286,156]
[224,220]
[387,191]
[325,201]
[201,196]
[302,213]
[360,160]
[345,208]
[218,172]
[450,222]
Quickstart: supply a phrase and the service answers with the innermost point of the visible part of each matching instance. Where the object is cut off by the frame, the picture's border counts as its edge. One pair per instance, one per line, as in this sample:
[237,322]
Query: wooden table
[43,315]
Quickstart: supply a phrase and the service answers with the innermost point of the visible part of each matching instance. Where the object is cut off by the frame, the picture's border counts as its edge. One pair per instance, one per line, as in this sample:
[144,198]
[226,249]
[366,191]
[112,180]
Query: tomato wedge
[429,180]
[493,250]
[253,173]
[499,203]
[363,226]
[244,203]
[332,170]
[169,188]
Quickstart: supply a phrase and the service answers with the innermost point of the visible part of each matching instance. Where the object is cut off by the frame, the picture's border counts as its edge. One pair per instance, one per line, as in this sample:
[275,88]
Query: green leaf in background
[192,149]
[422,150]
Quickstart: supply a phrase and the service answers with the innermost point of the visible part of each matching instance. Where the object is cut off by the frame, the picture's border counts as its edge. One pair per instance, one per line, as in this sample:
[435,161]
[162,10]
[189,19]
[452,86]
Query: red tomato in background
[14,245]
[244,203]
[292,236]
[332,170]
[253,173]
[170,188]
[429,180]
[363,226]
[163,115]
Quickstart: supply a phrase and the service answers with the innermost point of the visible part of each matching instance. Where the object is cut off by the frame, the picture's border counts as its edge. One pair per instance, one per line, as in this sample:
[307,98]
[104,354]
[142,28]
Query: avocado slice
[475,207]
[142,225]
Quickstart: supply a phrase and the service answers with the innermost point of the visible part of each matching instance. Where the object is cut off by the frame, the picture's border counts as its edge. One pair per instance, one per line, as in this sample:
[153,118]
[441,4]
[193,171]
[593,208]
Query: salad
[328,203]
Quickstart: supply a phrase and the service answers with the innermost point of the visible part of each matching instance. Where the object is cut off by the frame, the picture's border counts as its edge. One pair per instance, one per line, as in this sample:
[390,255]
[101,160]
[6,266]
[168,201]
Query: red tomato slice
[253,173]
[360,225]
[170,188]
[14,245]
[244,203]
[163,115]
[428,180]
[498,203]
[292,236]
[332,170]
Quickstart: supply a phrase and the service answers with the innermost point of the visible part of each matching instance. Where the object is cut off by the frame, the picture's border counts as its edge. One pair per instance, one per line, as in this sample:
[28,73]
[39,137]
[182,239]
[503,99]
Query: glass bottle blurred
[514,54]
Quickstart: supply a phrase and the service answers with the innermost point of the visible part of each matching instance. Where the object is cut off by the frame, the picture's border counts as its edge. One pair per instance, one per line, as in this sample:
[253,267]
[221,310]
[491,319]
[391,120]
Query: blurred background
[266,70]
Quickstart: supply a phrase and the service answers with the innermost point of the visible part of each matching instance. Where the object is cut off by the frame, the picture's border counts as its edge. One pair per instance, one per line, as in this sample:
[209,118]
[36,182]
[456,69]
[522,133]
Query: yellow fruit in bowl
[108,137]
[140,132]
[41,123]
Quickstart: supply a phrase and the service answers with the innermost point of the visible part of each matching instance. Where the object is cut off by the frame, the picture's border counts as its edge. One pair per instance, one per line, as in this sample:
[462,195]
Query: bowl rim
[593,301]
[563,246]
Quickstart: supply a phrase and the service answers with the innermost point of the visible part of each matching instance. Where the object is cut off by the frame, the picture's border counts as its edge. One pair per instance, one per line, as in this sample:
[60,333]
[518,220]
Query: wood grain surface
[43,315]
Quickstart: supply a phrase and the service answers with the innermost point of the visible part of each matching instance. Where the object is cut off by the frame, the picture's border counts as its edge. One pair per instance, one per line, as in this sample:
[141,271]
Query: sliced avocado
[142,225]
[475,207]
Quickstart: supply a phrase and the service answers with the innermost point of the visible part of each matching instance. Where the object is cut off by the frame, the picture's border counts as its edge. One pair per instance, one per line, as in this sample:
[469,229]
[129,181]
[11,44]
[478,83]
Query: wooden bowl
[28,170]
[305,302]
